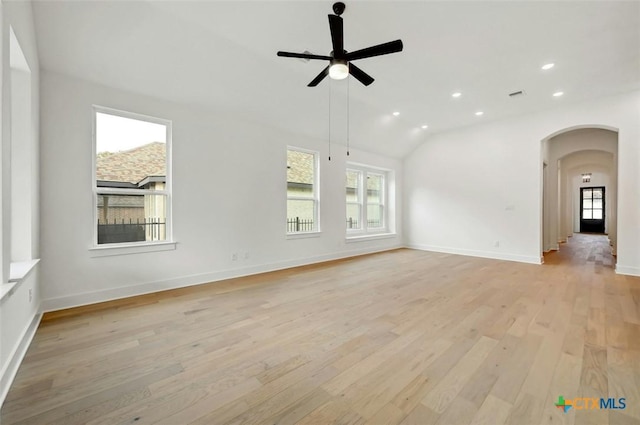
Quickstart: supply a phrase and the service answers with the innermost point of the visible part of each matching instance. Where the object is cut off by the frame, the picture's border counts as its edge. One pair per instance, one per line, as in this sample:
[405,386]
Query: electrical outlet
[234,256]
[30,294]
[497,244]
[246,255]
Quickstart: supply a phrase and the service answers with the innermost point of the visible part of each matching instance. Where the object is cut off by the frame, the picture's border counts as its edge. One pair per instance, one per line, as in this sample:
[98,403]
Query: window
[366,200]
[132,185]
[302,191]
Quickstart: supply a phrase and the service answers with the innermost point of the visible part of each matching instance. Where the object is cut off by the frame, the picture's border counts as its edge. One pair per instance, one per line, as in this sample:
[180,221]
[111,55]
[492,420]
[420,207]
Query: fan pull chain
[330,120]
[348,108]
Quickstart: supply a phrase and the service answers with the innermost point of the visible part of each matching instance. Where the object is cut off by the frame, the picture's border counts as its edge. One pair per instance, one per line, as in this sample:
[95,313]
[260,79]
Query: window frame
[97,191]
[316,193]
[364,172]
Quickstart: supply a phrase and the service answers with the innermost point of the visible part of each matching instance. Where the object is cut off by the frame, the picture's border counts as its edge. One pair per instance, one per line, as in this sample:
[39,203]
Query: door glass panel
[597,214]
[597,193]
[587,203]
[587,214]
[586,194]
[597,203]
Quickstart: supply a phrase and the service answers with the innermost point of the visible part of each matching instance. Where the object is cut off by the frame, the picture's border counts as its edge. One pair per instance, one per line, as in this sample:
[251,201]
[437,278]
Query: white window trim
[108,250]
[131,247]
[370,237]
[364,232]
[316,196]
[18,272]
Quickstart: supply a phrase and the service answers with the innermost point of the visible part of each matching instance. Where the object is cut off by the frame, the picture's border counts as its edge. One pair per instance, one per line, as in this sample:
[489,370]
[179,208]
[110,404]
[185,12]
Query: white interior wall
[474,192]
[229,196]
[19,317]
[467,189]
[5,150]
[19,307]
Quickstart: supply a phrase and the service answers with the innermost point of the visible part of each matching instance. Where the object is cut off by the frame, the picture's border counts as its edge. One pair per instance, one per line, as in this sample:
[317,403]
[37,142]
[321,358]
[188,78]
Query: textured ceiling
[223,54]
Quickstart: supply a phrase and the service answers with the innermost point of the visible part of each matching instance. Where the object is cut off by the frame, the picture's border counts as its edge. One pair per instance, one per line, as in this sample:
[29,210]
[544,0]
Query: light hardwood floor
[403,337]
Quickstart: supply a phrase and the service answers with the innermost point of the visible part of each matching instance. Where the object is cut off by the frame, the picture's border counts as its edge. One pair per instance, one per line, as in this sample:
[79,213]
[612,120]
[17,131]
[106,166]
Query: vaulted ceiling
[223,55]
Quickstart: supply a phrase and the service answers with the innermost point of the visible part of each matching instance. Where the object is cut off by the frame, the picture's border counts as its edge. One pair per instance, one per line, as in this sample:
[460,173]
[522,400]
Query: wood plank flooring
[402,337]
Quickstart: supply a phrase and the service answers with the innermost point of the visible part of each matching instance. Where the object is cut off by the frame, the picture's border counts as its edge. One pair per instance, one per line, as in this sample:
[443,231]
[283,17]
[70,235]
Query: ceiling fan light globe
[339,71]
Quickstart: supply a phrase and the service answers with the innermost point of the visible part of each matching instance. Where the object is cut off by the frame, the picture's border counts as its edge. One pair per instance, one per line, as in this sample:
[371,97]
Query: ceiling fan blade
[360,75]
[337,36]
[380,49]
[319,78]
[303,56]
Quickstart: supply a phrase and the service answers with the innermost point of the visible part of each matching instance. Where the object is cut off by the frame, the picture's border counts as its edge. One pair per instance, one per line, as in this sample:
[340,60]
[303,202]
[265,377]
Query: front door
[592,210]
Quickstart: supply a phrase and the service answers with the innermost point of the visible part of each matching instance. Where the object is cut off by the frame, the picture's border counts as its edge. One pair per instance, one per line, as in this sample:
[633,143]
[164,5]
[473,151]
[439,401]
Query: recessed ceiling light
[424,127]
[479,113]
[395,114]
[558,94]
[456,94]
[548,66]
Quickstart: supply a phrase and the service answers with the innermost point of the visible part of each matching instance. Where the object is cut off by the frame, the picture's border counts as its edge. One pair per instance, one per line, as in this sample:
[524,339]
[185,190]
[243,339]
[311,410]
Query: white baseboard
[76,300]
[627,270]
[8,373]
[484,254]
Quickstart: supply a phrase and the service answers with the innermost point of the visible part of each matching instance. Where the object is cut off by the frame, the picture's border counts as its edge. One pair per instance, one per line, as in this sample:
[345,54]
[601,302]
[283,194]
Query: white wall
[20,317]
[19,307]
[229,195]
[467,189]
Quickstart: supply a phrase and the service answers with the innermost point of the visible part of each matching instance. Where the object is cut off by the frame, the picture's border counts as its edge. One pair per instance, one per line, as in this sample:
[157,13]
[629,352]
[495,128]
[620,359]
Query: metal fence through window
[147,229]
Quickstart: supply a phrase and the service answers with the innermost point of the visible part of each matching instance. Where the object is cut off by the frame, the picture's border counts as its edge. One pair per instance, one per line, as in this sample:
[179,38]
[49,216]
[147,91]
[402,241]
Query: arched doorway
[574,160]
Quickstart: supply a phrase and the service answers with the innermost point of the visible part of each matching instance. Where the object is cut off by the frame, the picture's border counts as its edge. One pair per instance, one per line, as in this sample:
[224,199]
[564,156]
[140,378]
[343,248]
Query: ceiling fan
[340,61]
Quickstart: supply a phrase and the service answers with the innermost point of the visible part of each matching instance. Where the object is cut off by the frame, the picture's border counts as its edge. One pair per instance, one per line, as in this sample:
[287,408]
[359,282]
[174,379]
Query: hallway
[584,249]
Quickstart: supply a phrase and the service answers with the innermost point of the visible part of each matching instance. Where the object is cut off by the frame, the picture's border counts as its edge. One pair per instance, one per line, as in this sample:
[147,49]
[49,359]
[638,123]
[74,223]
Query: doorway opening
[579,170]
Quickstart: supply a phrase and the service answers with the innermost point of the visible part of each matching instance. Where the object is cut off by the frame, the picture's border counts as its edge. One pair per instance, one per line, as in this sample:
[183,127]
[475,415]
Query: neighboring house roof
[299,167]
[133,165]
[352,179]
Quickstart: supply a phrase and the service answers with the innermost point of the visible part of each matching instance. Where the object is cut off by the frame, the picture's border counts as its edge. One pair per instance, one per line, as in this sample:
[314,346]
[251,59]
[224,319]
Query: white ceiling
[223,54]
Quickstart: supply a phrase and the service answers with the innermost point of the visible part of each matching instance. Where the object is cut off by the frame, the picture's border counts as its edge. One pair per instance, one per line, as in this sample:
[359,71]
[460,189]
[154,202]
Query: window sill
[303,235]
[362,238]
[128,249]
[18,271]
